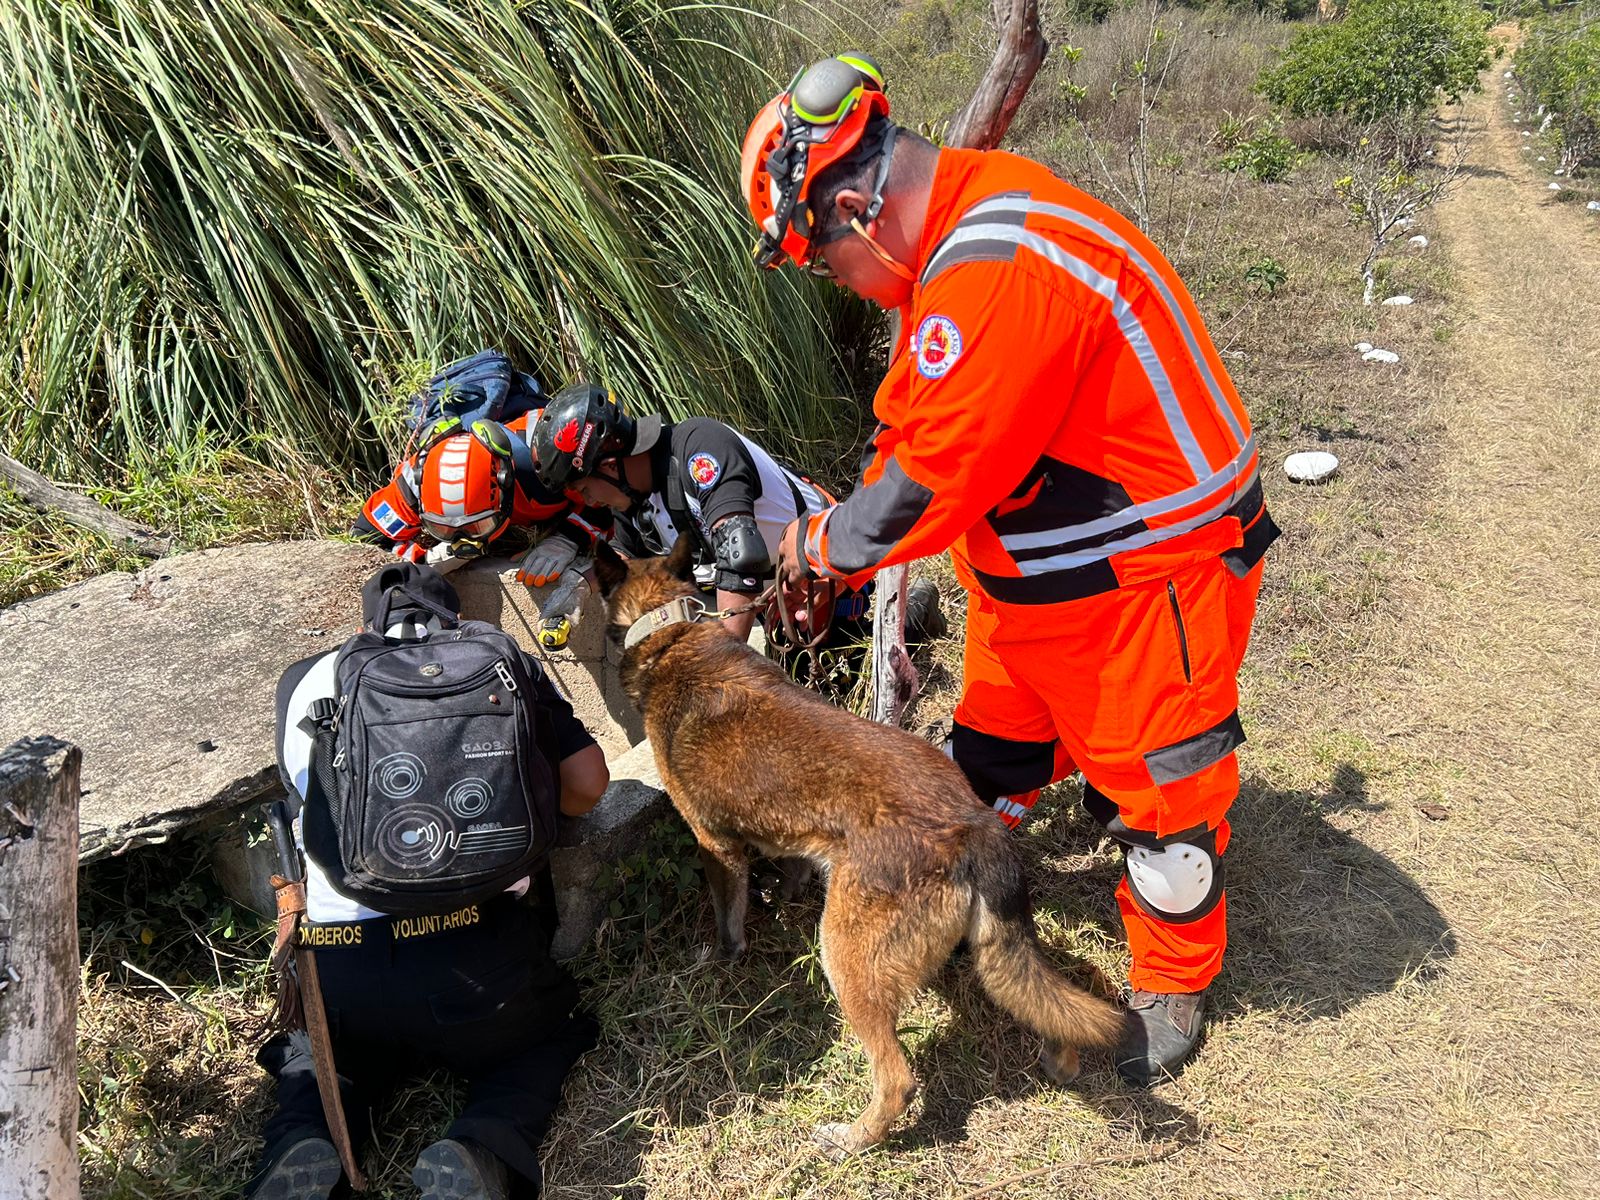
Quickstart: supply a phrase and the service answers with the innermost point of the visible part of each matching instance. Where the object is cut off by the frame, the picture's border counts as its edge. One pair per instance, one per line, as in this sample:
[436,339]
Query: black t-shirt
[705,472]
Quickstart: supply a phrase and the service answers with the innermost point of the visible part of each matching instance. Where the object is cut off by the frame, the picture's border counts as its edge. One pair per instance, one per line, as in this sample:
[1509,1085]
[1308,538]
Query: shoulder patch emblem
[938,345]
[386,519]
[704,470]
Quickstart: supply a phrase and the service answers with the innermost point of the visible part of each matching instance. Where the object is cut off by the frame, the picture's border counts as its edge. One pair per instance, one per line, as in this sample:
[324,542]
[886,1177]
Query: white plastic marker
[1310,466]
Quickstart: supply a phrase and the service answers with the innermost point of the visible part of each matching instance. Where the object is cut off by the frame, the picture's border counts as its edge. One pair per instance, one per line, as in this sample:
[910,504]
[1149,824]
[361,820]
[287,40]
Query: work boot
[452,1170]
[307,1170]
[1163,1028]
[924,618]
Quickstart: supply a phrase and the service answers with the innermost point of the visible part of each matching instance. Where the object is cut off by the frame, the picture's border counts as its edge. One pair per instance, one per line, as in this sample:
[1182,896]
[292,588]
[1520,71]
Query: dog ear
[610,568]
[680,562]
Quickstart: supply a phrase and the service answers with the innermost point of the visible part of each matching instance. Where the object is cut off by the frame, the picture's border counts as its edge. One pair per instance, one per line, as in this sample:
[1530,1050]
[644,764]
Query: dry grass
[207,497]
[1408,1004]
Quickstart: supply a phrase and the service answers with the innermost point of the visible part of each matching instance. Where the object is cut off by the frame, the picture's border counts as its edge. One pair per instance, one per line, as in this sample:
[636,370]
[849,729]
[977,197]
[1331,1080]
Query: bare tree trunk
[39,970]
[894,678]
[45,496]
[1017,59]
[978,126]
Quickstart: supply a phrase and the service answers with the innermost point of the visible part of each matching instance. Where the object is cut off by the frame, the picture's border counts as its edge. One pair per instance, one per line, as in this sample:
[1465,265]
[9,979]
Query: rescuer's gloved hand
[560,612]
[546,561]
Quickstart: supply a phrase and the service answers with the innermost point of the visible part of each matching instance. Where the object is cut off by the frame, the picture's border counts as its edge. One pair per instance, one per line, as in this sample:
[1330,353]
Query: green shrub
[1385,57]
[1558,66]
[1267,155]
[241,217]
[1266,275]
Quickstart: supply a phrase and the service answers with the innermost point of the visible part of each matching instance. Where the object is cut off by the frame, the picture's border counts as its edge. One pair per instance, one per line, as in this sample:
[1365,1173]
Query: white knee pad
[1176,881]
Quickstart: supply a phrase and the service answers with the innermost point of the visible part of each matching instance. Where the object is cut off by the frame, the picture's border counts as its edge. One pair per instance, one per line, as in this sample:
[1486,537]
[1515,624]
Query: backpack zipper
[505,674]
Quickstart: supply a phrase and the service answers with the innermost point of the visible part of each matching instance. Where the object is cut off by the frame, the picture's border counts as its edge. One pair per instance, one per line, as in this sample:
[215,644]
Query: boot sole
[447,1171]
[309,1171]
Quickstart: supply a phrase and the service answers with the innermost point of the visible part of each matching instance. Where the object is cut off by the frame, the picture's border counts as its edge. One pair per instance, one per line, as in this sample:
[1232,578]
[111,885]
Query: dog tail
[1011,965]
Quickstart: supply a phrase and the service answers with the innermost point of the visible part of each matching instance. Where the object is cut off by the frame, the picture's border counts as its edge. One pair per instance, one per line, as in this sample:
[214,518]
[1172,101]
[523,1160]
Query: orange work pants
[1138,689]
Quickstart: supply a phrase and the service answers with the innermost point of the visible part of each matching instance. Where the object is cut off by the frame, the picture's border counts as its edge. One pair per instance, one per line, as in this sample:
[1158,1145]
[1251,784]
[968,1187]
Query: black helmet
[580,425]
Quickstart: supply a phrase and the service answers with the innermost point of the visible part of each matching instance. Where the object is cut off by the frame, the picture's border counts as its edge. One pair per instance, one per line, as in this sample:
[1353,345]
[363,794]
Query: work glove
[443,558]
[546,561]
[562,608]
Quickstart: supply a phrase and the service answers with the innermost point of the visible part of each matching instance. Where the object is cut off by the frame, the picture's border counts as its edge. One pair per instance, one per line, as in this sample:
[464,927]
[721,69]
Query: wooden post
[894,678]
[39,970]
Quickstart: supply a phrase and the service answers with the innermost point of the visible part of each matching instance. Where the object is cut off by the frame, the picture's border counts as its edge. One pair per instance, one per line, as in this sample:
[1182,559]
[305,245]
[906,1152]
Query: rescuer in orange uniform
[1055,415]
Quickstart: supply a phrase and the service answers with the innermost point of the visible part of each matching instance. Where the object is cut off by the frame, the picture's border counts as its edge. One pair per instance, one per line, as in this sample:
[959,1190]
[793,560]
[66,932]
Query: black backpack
[433,781]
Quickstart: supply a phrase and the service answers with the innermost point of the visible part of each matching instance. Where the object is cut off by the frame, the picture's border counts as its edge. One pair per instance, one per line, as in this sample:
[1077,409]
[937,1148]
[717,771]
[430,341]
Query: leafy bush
[1267,155]
[1558,65]
[237,217]
[1385,57]
[1266,275]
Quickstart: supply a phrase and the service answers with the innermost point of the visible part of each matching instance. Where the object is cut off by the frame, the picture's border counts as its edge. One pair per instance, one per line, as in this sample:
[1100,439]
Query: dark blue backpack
[484,386]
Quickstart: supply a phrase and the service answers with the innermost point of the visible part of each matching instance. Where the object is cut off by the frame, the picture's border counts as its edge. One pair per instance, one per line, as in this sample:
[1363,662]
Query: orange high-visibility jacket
[1055,411]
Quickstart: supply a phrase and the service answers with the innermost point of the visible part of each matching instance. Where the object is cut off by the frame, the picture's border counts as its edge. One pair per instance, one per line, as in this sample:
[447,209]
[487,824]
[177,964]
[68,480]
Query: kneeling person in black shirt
[472,991]
[696,478]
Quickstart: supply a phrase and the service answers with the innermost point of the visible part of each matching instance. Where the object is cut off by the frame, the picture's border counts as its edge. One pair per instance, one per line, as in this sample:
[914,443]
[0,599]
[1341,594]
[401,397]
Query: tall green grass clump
[240,218]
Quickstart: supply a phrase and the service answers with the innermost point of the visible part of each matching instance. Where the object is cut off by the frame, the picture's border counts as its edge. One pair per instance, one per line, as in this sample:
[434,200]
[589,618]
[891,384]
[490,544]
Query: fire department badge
[704,470]
[938,345]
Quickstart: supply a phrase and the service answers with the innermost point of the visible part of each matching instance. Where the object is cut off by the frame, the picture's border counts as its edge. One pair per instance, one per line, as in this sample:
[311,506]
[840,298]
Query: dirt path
[1489,706]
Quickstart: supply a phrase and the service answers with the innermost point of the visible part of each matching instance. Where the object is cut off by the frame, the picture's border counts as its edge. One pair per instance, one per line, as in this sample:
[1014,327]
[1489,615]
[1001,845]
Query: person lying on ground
[467,482]
[702,479]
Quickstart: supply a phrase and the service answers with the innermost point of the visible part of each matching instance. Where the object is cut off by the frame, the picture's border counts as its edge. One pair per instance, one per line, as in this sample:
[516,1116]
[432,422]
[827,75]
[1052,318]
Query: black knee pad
[997,766]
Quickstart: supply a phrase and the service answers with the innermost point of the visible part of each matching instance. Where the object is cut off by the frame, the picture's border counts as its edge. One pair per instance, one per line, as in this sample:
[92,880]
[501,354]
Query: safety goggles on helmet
[818,120]
[466,485]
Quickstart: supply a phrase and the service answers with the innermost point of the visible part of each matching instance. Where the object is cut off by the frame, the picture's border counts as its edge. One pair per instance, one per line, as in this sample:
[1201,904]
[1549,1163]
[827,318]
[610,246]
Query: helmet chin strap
[889,261]
[619,480]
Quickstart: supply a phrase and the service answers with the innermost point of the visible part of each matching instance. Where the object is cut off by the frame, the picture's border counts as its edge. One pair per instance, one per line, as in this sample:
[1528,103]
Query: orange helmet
[465,481]
[816,121]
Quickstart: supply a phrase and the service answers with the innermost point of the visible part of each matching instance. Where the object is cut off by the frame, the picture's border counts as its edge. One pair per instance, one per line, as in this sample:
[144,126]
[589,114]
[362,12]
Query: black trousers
[485,1003]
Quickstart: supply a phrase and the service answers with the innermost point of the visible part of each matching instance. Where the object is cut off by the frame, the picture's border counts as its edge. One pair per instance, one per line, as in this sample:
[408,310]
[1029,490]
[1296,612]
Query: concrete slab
[165,678]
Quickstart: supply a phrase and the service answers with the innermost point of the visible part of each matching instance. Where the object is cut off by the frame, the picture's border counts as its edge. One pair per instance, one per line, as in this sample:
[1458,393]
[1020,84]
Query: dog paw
[1060,1064]
[838,1141]
[713,952]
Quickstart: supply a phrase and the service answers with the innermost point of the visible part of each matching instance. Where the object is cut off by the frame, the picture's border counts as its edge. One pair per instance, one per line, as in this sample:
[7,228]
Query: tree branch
[45,496]
[1017,59]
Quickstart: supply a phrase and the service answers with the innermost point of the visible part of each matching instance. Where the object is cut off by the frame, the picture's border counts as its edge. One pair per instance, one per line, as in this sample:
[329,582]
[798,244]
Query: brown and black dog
[915,862]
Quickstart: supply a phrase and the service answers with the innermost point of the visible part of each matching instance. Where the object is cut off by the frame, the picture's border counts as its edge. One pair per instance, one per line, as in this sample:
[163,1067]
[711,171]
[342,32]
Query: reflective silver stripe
[1102,285]
[1010,807]
[1189,757]
[1145,537]
[998,205]
[1139,512]
[814,530]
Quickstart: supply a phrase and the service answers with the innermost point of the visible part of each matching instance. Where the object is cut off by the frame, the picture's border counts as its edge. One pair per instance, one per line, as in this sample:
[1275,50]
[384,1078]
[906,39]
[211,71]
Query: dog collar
[673,612]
